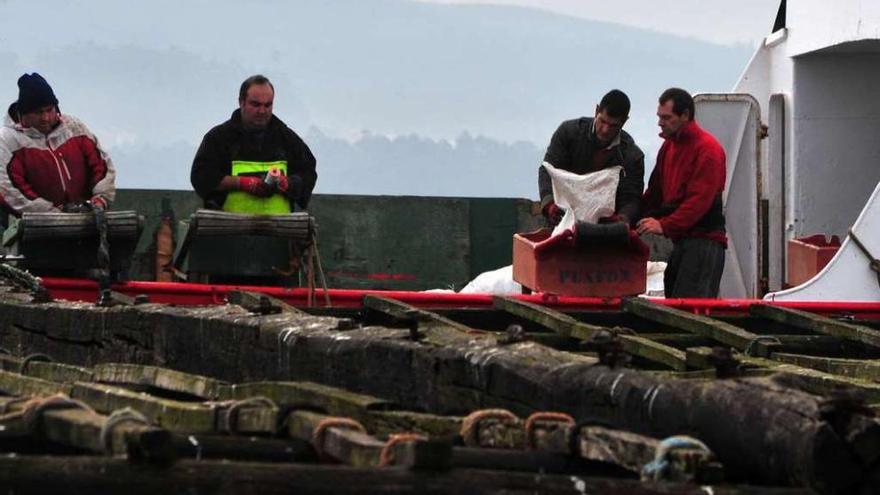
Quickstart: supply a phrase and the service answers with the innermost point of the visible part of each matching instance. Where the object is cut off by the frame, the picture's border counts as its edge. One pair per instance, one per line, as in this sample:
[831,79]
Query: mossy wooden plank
[810,380]
[405,312]
[359,449]
[346,445]
[817,323]
[59,372]
[28,386]
[432,425]
[567,326]
[559,322]
[863,369]
[333,400]
[82,429]
[251,419]
[256,302]
[704,326]
[162,378]
[173,415]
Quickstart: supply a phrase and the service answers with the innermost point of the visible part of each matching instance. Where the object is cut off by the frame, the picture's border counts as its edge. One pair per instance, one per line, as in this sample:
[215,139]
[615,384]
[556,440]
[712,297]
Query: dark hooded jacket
[573,148]
[230,141]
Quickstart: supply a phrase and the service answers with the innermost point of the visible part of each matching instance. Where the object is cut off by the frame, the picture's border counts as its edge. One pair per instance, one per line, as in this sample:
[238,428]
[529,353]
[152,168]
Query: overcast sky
[744,21]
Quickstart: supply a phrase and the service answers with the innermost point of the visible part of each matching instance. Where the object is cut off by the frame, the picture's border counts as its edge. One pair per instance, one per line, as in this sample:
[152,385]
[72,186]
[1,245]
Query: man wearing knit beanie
[49,161]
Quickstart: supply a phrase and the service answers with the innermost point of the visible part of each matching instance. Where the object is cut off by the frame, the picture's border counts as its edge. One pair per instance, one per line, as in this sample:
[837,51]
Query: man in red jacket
[684,199]
[49,160]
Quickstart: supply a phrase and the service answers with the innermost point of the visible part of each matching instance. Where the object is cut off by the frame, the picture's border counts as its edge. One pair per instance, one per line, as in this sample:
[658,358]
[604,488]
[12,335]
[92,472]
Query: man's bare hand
[649,226]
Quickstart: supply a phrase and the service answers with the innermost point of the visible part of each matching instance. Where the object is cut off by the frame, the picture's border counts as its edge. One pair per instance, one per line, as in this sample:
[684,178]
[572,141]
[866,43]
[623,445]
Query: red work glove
[98,202]
[282,184]
[553,213]
[255,186]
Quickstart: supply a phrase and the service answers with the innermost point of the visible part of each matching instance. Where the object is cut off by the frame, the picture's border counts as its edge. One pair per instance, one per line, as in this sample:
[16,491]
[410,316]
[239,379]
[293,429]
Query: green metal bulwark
[388,242]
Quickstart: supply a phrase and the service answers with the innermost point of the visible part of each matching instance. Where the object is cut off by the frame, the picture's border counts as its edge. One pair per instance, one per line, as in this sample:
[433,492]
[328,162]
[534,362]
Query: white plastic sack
[584,197]
[498,282]
[655,279]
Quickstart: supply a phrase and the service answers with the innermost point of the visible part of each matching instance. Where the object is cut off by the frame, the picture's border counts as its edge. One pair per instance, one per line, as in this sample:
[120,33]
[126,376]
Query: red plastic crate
[807,256]
[590,271]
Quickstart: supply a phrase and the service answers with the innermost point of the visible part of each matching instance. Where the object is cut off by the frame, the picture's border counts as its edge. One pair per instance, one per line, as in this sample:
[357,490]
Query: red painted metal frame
[186,294]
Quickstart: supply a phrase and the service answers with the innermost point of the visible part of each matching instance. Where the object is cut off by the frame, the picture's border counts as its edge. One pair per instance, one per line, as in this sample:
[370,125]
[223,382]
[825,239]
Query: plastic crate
[807,256]
[585,271]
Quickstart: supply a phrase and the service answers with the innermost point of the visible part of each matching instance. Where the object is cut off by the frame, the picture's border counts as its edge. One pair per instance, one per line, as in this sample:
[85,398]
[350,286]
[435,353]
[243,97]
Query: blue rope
[656,469]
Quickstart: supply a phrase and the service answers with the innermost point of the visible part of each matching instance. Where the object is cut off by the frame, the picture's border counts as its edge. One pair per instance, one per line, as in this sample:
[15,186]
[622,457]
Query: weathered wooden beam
[405,313]
[704,326]
[679,340]
[357,448]
[799,344]
[862,369]
[237,417]
[27,386]
[810,380]
[817,323]
[333,400]
[567,326]
[375,414]
[65,422]
[59,372]
[37,475]
[161,378]
[261,303]
[173,415]
[384,423]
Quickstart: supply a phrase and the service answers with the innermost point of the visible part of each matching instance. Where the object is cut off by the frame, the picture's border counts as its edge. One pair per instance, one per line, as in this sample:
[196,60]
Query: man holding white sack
[587,145]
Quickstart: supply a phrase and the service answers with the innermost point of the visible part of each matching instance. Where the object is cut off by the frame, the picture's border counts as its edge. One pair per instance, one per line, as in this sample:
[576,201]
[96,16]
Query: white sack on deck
[498,282]
[655,279]
[584,197]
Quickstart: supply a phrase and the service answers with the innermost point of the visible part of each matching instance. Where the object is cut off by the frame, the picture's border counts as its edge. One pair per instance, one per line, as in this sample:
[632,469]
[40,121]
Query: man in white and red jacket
[49,160]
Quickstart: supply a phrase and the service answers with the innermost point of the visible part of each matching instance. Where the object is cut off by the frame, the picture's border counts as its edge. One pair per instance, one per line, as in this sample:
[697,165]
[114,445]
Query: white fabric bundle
[584,197]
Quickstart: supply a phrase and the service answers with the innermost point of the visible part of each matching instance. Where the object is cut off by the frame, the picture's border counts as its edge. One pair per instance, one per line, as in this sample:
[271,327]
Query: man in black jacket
[254,163]
[587,145]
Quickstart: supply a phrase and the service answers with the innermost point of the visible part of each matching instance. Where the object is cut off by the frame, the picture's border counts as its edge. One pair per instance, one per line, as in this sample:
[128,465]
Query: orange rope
[470,423]
[386,457]
[332,422]
[543,416]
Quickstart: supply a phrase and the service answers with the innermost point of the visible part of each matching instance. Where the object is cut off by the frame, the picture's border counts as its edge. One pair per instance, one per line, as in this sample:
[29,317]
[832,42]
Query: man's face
[607,128]
[42,119]
[256,108]
[669,121]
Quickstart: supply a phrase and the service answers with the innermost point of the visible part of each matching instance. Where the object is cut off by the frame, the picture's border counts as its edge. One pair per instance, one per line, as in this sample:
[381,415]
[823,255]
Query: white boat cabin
[802,133]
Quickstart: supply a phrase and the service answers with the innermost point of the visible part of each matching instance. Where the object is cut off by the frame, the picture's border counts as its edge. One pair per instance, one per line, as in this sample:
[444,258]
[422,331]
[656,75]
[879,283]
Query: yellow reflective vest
[242,202]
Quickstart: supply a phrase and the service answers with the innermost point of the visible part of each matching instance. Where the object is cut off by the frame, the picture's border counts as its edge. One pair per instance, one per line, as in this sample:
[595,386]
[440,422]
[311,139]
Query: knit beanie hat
[34,93]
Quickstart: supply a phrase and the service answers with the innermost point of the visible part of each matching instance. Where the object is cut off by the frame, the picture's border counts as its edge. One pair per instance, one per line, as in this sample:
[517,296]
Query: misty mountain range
[393,97]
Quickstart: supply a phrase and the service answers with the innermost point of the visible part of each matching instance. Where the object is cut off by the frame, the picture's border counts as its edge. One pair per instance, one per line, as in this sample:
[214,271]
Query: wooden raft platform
[778,399]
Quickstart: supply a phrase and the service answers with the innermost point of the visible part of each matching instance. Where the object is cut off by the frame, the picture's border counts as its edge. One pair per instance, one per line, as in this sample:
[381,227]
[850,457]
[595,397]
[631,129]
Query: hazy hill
[388,93]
